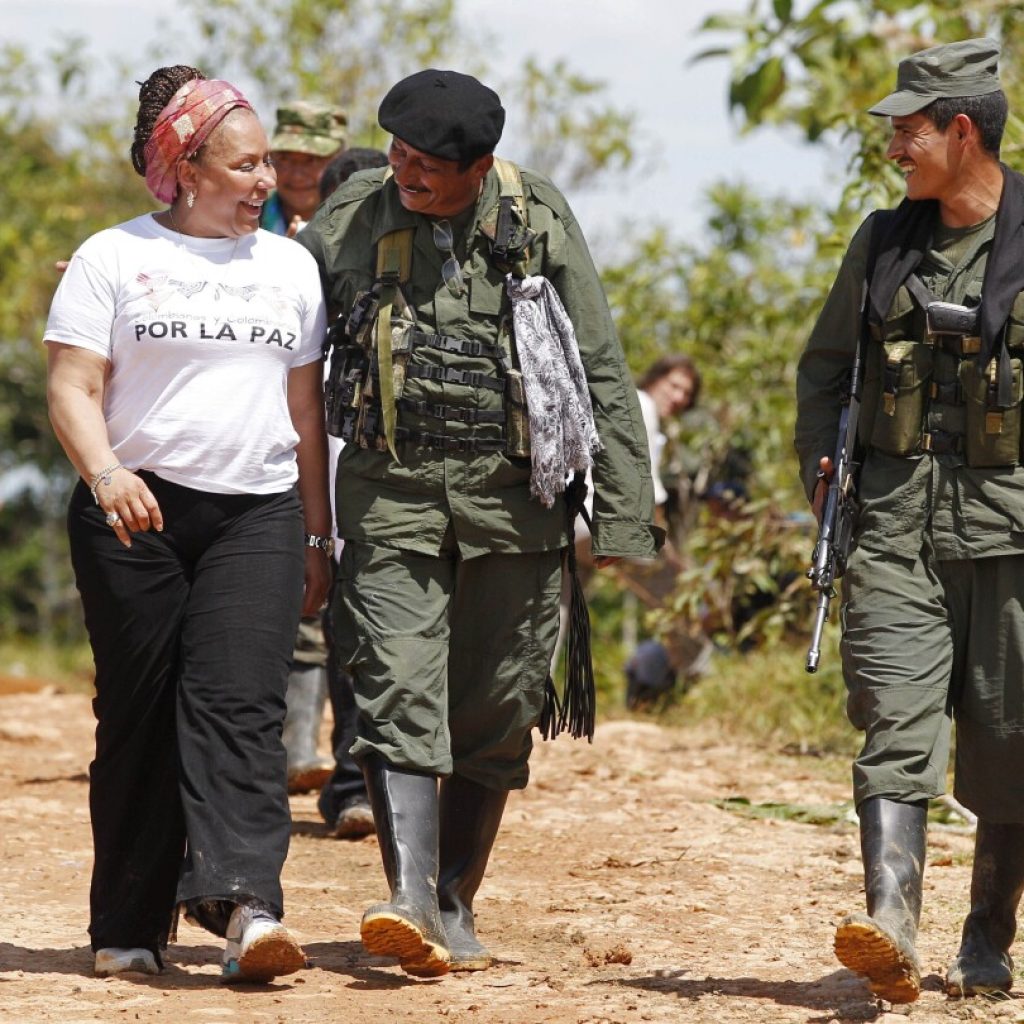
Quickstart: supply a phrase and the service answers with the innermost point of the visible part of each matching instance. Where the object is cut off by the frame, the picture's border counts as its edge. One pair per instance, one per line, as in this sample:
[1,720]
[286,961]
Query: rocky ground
[621,891]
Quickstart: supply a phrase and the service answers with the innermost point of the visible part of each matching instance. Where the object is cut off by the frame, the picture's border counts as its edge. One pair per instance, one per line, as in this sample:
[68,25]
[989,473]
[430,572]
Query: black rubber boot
[983,964]
[408,926]
[881,946]
[470,816]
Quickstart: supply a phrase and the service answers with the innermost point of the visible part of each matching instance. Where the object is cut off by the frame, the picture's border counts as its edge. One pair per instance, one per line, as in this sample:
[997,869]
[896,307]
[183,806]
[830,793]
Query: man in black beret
[932,294]
[447,599]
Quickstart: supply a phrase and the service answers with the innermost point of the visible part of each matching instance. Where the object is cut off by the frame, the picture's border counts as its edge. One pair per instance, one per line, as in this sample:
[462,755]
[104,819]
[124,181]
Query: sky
[642,49]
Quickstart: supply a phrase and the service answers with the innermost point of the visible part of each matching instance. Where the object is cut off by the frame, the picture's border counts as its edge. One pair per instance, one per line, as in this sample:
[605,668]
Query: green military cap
[306,127]
[950,71]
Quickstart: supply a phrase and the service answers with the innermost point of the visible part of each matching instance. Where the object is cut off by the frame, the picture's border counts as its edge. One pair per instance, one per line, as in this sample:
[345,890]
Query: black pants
[192,632]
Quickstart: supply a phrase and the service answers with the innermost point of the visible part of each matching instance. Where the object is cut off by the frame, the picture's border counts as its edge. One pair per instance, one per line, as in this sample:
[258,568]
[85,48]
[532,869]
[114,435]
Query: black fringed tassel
[579,698]
[577,710]
[550,711]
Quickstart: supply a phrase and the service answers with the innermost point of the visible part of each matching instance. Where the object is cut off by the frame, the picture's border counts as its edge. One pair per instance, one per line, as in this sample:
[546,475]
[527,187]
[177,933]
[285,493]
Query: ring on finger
[112,519]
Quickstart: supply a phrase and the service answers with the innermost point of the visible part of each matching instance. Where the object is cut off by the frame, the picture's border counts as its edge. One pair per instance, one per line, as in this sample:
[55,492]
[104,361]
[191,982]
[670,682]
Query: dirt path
[619,892]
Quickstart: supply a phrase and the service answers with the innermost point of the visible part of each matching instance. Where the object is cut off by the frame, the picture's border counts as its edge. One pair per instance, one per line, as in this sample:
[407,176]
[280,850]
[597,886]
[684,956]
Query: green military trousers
[449,656]
[927,642]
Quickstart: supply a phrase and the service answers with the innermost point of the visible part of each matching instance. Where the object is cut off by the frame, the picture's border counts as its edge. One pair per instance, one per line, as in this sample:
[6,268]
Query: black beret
[444,113]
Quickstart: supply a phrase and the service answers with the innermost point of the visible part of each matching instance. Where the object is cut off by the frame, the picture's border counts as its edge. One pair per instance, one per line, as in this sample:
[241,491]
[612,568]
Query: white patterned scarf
[563,437]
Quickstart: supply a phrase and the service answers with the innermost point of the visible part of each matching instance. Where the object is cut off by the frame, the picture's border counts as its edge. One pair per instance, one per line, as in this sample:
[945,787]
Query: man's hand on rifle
[825,471]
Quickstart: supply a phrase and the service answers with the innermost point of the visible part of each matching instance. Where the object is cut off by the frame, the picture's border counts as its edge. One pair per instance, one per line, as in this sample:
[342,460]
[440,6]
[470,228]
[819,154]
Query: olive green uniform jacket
[932,607]
[483,497]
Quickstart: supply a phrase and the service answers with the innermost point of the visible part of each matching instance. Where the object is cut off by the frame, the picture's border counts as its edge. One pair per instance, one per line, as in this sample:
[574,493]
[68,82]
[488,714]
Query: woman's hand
[128,498]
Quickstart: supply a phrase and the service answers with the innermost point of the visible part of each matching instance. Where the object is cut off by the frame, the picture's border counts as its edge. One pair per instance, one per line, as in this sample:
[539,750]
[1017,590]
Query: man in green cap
[476,364]
[307,135]
[933,596]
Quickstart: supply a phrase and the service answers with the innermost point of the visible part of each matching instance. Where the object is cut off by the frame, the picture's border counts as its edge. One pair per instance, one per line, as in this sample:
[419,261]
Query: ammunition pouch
[343,390]
[899,402]
[993,434]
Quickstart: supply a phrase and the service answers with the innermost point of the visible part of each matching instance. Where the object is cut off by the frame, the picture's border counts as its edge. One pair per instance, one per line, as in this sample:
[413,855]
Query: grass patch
[766,695]
[29,658]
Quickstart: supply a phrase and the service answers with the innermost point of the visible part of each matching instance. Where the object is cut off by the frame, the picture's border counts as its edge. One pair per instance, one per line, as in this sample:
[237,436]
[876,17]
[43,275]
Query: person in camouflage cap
[307,135]
[932,295]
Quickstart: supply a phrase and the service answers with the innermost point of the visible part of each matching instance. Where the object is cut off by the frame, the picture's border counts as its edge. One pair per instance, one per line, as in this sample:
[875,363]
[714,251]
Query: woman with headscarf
[185,387]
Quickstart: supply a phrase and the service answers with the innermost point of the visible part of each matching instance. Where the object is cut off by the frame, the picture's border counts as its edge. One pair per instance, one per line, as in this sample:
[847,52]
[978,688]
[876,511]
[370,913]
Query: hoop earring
[190,199]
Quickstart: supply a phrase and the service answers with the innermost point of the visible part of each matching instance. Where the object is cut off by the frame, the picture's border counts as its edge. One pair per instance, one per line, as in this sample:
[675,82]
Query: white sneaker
[259,947]
[114,960]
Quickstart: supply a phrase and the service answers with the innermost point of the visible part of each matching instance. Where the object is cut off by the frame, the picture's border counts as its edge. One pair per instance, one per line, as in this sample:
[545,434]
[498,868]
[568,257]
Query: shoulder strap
[394,254]
[511,182]
[512,236]
[394,264]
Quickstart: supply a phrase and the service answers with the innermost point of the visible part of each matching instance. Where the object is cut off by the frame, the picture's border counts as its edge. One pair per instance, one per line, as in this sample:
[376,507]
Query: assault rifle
[835,530]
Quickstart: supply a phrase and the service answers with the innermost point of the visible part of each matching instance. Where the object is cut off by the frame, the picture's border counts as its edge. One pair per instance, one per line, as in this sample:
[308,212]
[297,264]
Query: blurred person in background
[307,135]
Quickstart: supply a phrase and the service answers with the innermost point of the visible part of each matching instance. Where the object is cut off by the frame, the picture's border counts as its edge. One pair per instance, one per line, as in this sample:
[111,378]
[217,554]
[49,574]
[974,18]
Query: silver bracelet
[102,477]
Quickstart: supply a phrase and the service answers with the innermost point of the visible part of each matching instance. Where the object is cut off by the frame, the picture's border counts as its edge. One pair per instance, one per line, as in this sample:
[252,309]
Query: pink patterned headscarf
[183,126]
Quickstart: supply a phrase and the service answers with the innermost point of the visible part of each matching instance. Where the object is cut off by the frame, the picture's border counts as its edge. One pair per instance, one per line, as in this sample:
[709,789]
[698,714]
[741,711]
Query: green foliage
[347,51]
[352,51]
[743,581]
[741,303]
[820,70]
[67,181]
[768,695]
[563,107]
[608,625]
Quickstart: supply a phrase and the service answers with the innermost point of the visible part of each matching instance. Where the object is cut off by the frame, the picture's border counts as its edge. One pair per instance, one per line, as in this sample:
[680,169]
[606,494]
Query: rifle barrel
[814,651]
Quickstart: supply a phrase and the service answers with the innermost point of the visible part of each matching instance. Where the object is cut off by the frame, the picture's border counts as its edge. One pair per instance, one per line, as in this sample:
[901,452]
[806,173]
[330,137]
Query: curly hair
[154,94]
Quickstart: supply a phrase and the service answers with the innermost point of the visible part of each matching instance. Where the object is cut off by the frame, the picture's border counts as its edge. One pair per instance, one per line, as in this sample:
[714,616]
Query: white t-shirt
[200,334]
[655,441]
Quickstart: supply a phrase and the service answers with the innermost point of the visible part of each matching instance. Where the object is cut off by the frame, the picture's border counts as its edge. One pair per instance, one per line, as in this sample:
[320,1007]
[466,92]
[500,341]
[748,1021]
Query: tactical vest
[924,390]
[373,353]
